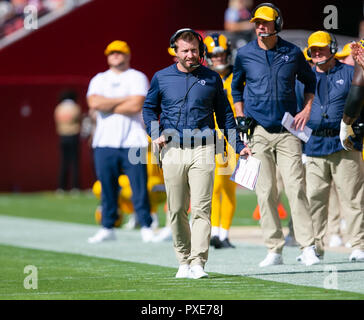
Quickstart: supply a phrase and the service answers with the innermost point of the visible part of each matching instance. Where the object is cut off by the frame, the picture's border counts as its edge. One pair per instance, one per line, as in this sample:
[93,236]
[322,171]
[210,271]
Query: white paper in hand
[287,123]
[246,172]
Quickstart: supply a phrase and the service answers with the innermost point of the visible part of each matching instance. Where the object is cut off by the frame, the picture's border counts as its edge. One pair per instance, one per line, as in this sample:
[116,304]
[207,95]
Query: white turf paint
[244,260]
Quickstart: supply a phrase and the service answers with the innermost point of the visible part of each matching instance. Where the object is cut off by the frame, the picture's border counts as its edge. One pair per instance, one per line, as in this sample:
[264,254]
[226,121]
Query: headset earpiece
[333,44]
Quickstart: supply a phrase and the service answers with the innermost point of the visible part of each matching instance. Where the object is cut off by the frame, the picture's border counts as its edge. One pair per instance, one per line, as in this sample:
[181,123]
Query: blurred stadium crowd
[12,12]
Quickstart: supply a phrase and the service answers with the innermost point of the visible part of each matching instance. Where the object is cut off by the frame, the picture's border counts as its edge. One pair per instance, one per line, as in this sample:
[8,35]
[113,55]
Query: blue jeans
[108,163]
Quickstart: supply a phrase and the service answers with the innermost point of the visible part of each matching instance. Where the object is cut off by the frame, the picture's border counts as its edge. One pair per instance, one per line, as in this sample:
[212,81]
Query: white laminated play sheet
[304,134]
[246,172]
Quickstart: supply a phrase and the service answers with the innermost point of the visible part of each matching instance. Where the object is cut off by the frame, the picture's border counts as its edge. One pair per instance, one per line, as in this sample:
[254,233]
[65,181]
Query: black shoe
[215,242]
[226,244]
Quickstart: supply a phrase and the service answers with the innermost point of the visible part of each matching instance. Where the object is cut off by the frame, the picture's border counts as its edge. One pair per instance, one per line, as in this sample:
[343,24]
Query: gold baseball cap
[117,45]
[319,39]
[344,52]
[265,13]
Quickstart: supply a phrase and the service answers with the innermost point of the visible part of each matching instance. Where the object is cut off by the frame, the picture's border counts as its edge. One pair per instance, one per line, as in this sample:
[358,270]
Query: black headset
[278,22]
[201,45]
[333,45]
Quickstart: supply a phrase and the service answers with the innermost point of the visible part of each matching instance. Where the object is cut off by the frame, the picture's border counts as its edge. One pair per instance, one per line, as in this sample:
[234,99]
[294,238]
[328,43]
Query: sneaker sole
[320,258]
[356,260]
[182,277]
[201,277]
[271,264]
[311,263]
[89,240]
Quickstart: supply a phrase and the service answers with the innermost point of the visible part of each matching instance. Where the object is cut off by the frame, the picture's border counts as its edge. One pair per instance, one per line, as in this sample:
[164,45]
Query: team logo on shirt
[341,81]
[115,84]
[202,82]
[285,58]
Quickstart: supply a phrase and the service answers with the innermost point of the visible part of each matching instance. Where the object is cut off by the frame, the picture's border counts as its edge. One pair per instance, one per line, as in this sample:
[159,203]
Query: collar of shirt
[280,46]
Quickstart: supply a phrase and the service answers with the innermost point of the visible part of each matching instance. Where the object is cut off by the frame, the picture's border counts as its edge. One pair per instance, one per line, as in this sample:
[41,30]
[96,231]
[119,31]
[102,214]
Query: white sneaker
[155,221]
[147,234]
[102,235]
[357,255]
[183,271]
[335,241]
[197,272]
[132,222]
[271,259]
[164,235]
[308,256]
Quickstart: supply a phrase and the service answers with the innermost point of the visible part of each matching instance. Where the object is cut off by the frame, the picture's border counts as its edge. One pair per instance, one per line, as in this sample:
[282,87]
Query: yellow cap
[319,39]
[119,46]
[265,13]
[171,52]
[305,54]
[344,52]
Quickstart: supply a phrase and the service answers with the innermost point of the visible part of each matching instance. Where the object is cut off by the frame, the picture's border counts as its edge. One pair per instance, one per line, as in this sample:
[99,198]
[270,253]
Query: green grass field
[69,276]
[78,277]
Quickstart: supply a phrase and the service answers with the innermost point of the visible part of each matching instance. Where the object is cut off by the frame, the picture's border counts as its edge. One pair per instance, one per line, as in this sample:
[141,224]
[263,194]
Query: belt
[326,132]
[193,145]
[276,129]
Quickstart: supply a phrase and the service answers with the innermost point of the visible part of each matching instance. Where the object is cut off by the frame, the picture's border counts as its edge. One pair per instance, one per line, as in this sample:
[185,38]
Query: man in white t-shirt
[120,141]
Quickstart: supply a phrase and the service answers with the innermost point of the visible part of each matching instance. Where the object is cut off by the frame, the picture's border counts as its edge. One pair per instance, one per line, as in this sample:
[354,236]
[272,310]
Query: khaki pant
[284,151]
[189,177]
[335,213]
[344,168]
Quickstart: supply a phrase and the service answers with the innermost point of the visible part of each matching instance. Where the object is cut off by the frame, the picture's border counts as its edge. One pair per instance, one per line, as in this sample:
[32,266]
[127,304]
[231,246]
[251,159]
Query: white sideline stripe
[72,238]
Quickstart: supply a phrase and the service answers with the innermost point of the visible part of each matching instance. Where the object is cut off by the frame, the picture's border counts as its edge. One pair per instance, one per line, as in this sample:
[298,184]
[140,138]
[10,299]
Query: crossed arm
[127,106]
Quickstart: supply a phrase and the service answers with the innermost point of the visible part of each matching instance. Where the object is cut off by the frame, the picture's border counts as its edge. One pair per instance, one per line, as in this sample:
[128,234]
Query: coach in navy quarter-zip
[179,116]
[327,161]
[187,100]
[270,77]
[269,66]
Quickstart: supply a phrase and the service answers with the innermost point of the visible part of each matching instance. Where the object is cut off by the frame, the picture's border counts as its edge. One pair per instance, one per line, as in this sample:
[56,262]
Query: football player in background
[218,57]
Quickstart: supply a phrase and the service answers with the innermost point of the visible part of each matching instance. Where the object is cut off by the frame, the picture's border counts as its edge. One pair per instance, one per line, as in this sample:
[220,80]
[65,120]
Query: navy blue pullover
[327,109]
[181,101]
[270,77]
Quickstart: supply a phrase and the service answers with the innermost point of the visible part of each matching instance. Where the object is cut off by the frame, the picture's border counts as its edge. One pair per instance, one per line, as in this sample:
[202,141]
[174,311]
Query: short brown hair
[186,36]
